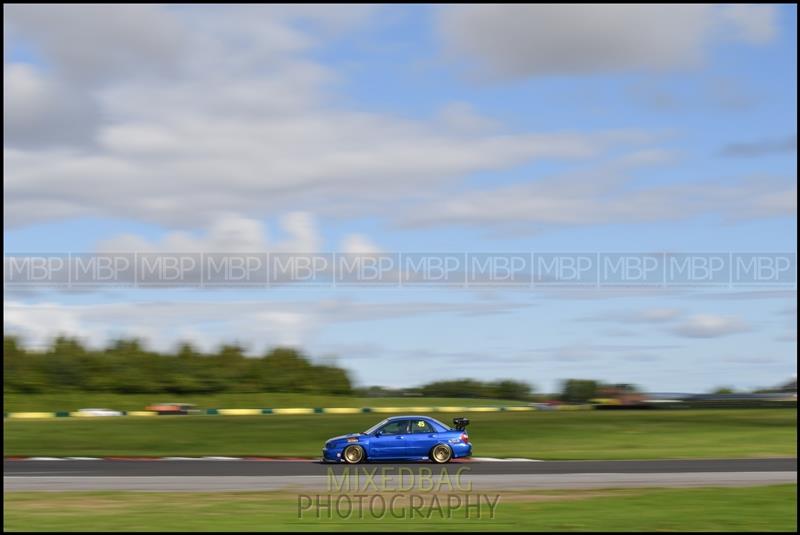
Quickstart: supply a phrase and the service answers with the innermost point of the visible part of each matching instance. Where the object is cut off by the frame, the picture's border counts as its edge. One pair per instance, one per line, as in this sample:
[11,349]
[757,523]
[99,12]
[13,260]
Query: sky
[371,129]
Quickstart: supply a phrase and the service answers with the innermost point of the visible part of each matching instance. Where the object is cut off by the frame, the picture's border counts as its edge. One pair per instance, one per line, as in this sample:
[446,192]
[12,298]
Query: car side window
[394,428]
[421,426]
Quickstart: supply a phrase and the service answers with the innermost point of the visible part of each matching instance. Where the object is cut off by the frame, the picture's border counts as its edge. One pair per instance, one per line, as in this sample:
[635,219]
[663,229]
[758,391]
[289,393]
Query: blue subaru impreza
[402,438]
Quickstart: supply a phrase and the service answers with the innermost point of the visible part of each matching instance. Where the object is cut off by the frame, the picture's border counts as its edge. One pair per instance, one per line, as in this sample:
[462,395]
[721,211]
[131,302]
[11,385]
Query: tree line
[471,388]
[456,388]
[127,367]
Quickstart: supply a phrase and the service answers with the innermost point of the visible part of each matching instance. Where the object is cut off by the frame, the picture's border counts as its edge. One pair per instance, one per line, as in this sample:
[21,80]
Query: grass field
[771,508]
[72,401]
[722,433]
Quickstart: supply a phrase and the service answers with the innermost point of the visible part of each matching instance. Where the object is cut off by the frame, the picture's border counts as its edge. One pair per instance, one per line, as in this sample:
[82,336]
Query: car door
[389,441]
[421,438]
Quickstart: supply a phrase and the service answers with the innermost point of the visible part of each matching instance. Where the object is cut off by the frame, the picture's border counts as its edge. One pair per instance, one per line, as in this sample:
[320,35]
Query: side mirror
[377,434]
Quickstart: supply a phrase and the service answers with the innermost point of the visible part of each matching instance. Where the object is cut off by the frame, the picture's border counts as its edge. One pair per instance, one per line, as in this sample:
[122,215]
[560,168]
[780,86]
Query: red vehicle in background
[172,408]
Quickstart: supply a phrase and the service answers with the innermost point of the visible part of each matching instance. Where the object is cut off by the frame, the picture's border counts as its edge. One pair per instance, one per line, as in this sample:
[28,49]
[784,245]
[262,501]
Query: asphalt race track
[216,475]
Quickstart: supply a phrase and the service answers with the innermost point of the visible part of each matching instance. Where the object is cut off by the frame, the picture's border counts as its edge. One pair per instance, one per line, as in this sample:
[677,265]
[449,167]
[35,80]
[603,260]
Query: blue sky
[596,129]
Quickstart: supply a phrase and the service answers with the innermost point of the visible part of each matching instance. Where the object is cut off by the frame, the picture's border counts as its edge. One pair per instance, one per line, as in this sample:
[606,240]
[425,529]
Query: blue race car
[402,438]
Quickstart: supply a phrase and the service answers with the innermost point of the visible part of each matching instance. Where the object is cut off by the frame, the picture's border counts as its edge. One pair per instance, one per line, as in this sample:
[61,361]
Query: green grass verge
[72,401]
[769,508]
[723,433]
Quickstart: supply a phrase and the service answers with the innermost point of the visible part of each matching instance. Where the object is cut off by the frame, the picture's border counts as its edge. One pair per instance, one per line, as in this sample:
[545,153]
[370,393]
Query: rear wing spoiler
[460,423]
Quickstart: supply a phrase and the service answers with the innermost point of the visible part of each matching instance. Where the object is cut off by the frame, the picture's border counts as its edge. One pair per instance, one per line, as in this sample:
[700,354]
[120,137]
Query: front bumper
[332,455]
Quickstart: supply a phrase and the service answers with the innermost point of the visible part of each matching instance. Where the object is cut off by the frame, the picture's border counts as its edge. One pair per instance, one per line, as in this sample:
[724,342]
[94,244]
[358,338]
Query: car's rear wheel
[441,454]
[353,454]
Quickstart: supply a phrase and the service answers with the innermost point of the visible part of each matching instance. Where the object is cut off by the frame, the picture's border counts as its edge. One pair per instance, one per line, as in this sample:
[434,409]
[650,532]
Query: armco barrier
[32,415]
[293,411]
[342,410]
[389,410]
[239,412]
[298,411]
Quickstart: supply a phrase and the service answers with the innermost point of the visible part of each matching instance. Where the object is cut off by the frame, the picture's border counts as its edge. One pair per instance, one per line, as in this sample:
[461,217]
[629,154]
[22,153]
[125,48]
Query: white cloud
[299,233]
[39,109]
[585,351]
[302,231]
[747,295]
[226,234]
[649,315]
[329,162]
[231,117]
[41,321]
[754,24]
[147,59]
[359,244]
[762,147]
[101,42]
[91,42]
[162,325]
[710,326]
[696,95]
[462,117]
[659,315]
[256,324]
[514,41]
[234,121]
[607,196]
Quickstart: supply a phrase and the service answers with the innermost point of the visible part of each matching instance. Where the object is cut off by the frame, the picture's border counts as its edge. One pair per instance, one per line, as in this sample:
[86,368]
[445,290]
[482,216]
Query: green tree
[578,390]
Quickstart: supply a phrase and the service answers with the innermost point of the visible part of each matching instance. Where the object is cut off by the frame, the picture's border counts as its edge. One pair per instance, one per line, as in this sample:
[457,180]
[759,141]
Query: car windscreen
[375,427]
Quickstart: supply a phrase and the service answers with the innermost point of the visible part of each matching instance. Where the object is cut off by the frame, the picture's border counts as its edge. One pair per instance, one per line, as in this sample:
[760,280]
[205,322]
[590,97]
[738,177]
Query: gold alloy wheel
[353,454]
[441,453]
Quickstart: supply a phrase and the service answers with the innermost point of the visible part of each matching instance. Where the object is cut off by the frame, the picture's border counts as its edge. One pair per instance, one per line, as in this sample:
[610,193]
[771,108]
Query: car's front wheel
[441,454]
[353,454]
